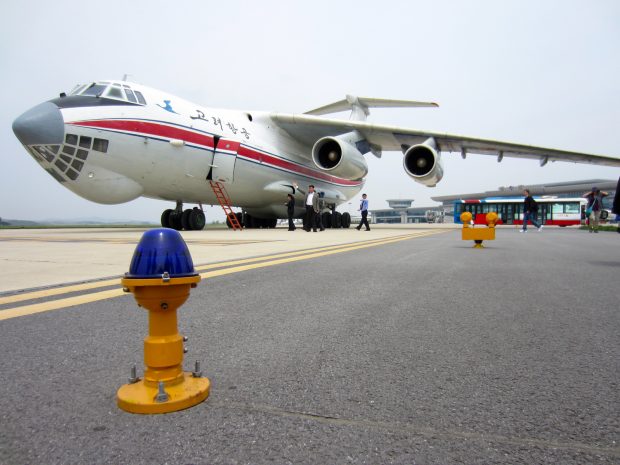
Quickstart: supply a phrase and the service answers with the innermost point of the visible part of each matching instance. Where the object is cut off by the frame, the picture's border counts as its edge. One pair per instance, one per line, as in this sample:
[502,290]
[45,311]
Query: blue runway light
[161,250]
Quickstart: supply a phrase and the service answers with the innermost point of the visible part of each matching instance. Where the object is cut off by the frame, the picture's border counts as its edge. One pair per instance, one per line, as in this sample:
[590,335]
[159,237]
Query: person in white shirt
[311,199]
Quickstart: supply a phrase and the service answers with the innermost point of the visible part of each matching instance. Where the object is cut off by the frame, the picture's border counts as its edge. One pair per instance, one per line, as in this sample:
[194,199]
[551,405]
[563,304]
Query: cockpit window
[115,92]
[140,98]
[78,89]
[130,95]
[94,89]
[110,90]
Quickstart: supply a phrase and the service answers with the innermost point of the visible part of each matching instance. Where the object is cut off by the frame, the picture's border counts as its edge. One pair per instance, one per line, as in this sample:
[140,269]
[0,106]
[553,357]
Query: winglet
[359,106]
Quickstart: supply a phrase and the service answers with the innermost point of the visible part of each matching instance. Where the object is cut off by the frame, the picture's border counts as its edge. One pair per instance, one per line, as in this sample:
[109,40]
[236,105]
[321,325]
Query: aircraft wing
[309,129]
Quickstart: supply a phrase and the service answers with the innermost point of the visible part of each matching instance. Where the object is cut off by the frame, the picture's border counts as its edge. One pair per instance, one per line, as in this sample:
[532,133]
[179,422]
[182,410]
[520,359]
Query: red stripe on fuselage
[263,157]
[170,132]
[153,129]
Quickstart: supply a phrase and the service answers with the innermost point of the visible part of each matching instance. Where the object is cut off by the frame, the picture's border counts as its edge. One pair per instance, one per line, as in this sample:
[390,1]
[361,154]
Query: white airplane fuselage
[114,141]
[169,149]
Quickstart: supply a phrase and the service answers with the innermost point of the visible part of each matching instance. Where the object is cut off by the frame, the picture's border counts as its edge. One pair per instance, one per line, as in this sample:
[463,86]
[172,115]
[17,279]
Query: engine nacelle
[422,162]
[339,158]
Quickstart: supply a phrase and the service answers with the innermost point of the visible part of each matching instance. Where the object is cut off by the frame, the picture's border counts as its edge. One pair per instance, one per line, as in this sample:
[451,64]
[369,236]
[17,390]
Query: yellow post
[478,235]
[165,387]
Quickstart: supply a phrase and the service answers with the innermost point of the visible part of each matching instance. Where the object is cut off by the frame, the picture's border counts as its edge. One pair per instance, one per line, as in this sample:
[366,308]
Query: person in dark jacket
[290,208]
[530,211]
[616,205]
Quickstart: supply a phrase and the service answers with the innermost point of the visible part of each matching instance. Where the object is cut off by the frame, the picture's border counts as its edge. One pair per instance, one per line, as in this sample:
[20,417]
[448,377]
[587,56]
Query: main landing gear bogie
[253,222]
[192,219]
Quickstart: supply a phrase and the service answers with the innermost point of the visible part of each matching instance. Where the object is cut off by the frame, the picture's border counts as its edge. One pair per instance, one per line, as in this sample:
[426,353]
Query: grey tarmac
[422,351]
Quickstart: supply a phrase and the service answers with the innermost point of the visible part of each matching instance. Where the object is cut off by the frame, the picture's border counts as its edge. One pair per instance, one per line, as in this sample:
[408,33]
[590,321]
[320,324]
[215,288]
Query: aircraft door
[224,160]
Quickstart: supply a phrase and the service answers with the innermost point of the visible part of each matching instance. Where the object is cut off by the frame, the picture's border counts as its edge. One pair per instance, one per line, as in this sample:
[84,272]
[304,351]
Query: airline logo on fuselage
[167,107]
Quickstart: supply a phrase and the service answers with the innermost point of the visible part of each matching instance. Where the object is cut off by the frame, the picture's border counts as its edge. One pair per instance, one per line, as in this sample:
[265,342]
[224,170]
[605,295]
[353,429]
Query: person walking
[594,207]
[290,209]
[364,210]
[530,211]
[616,205]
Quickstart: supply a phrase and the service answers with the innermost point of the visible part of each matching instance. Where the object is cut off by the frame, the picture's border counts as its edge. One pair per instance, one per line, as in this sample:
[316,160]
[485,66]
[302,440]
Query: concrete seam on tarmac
[418,430]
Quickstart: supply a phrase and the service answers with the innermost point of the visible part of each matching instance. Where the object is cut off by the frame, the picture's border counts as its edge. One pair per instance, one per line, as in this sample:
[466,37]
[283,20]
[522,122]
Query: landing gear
[189,220]
[252,222]
[197,219]
[336,220]
[165,218]
[346,220]
[326,218]
[176,220]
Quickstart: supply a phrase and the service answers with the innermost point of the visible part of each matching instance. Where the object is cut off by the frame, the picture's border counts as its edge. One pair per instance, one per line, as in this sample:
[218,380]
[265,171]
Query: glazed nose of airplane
[41,125]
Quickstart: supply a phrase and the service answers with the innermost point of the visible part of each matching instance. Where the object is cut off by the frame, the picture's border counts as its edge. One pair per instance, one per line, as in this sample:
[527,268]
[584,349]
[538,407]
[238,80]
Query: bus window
[572,207]
[557,208]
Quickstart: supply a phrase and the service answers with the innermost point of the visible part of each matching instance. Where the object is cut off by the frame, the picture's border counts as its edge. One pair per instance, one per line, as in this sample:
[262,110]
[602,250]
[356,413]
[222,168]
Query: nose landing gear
[189,220]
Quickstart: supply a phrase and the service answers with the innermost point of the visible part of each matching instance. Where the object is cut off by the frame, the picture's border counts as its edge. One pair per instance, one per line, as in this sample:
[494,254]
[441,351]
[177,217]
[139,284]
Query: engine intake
[422,162]
[339,158]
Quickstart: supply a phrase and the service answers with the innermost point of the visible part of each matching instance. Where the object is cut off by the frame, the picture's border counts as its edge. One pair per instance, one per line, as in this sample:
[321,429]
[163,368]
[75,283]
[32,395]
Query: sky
[539,72]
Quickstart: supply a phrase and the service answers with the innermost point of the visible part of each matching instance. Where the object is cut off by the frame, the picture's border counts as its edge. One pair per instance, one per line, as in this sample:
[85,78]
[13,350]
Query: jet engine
[339,158]
[422,162]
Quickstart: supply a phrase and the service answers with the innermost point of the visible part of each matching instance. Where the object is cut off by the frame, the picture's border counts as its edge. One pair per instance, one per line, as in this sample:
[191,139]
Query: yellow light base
[478,234]
[140,397]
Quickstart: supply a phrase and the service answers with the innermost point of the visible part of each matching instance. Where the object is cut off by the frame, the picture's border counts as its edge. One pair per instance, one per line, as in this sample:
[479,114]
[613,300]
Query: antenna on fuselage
[125,76]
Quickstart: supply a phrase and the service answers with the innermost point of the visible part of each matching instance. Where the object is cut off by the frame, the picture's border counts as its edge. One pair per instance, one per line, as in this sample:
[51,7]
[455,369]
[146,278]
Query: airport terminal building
[401,210]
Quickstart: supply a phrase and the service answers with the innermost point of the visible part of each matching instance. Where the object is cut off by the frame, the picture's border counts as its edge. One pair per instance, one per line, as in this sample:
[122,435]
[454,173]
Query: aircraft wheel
[248,221]
[185,219]
[327,220]
[337,220]
[346,220]
[165,218]
[176,220]
[271,223]
[239,216]
[196,219]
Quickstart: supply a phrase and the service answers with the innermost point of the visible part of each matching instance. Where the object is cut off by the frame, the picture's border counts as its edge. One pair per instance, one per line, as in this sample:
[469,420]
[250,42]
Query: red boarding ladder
[222,197]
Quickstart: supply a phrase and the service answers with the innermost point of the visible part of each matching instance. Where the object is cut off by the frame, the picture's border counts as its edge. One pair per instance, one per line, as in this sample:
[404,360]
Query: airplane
[114,141]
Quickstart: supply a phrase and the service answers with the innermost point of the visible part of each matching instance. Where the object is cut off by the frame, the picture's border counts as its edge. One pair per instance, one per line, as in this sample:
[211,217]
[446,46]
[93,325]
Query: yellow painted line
[110,282]
[103,295]
[58,304]
[236,269]
[57,290]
